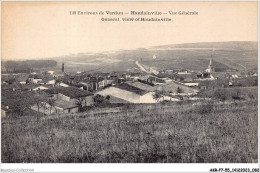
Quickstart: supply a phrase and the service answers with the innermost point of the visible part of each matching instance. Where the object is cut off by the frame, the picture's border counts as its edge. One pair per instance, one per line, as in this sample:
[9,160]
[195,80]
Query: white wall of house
[110,82]
[45,108]
[51,72]
[40,88]
[163,98]
[59,110]
[101,84]
[63,84]
[86,101]
[147,98]
[63,97]
[88,85]
[36,80]
[191,84]
[128,96]
[52,82]
[22,82]
[132,97]
[120,93]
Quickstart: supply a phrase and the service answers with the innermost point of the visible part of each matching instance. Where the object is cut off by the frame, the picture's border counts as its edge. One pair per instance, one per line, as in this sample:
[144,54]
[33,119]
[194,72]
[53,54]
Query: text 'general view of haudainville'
[180,103]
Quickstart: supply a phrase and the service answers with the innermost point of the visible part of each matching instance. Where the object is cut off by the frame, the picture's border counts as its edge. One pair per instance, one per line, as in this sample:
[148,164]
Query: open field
[205,132]
[198,59]
[241,56]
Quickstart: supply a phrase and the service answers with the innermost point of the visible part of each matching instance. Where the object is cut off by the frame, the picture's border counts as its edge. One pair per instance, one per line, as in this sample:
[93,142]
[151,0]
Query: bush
[220,94]
[98,99]
[204,108]
[179,90]
[236,94]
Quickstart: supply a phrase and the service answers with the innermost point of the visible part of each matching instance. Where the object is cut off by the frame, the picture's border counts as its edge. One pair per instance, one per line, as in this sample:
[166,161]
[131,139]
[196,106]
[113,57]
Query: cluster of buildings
[69,92]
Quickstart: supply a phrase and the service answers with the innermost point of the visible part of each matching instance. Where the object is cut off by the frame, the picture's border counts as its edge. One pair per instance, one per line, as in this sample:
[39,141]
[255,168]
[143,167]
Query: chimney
[62,67]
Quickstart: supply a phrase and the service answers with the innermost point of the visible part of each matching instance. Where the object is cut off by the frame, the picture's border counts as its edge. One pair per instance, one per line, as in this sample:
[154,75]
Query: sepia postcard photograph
[129,82]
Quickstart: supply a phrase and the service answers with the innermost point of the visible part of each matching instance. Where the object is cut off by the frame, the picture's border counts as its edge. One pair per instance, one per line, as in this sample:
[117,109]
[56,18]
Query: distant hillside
[238,45]
[234,55]
[26,66]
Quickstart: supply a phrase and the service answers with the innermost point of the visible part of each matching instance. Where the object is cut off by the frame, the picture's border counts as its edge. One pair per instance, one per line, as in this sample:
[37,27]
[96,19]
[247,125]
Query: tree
[39,99]
[220,94]
[27,81]
[98,99]
[79,102]
[57,82]
[51,102]
[158,94]
[236,94]
[19,101]
[179,90]
[19,106]
[11,81]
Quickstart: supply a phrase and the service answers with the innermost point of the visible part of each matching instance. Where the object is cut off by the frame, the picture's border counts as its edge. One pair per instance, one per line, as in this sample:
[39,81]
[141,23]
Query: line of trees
[20,102]
[27,66]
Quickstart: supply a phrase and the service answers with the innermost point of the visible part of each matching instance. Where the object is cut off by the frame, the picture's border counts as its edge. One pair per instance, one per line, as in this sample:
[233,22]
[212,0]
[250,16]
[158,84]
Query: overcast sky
[33,30]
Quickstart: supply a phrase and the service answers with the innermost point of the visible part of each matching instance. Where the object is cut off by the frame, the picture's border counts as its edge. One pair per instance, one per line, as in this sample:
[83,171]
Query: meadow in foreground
[177,133]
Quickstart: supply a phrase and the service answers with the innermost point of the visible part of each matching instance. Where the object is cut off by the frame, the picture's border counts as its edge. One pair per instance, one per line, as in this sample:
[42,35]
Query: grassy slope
[235,55]
[199,59]
[152,133]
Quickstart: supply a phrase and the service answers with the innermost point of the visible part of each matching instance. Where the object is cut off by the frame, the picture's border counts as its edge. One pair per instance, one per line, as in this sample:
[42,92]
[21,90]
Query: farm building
[65,100]
[71,94]
[66,107]
[35,78]
[129,93]
[98,83]
[61,106]
[160,78]
[143,92]
[170,87]
[143,85]
[177,88]
[35,87]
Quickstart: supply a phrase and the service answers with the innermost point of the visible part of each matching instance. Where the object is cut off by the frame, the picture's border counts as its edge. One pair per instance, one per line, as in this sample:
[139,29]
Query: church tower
[62,67]
[210,62]
[210,68]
